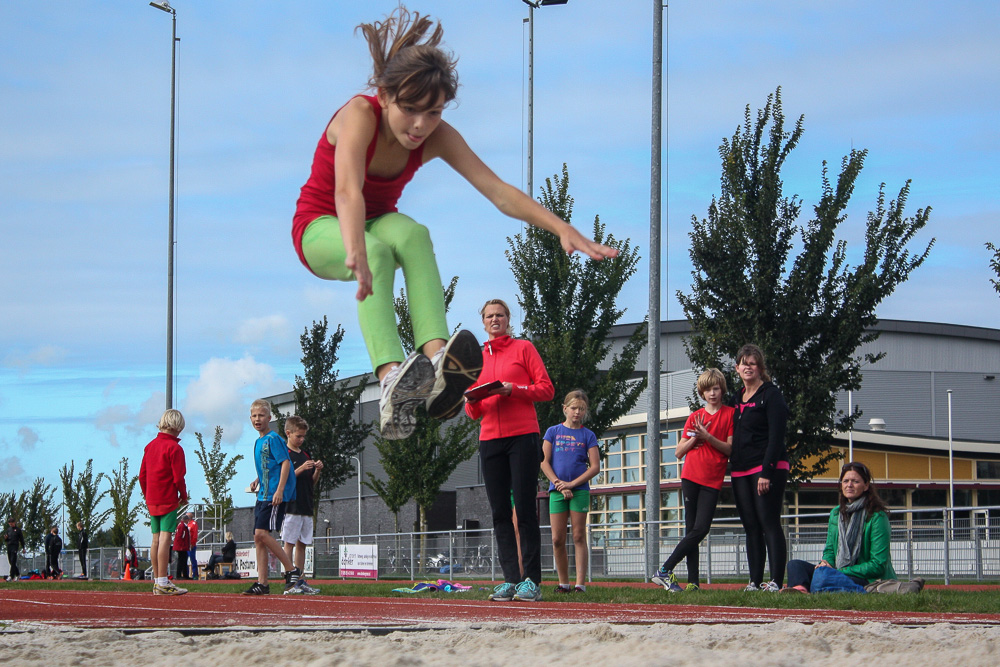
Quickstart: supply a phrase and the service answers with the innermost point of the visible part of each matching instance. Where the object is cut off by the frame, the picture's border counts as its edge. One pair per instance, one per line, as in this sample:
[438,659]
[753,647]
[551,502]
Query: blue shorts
[267,516]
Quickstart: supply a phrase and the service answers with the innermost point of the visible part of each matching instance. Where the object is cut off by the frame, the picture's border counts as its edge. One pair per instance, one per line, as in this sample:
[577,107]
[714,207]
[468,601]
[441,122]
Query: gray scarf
[849,529]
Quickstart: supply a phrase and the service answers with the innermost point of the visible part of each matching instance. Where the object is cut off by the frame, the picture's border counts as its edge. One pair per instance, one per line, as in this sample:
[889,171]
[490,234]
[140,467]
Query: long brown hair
[406,63]
[751,351]
[873,502]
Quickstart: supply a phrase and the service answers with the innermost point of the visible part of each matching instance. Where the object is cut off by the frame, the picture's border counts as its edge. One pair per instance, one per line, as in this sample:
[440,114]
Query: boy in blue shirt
[275,486]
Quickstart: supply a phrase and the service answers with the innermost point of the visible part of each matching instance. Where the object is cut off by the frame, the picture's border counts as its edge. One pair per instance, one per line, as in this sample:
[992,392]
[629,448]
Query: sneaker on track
[306,588]
[168,589]
[690,588]
[528,591]
[751,587]
[564,589]
[456,368]
[403,389]
[667,580]
[503,593]
[770,587]
[258,589]
[579,589]
[292,579]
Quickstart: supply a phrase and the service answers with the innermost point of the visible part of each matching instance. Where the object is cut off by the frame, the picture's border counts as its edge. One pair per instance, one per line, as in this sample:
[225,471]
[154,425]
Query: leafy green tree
[81,496]
[569,305]
[328,405]
[124,514]
[810,313]
[220,469]
[38,512]
[417,466]
[994,264]
[10,506]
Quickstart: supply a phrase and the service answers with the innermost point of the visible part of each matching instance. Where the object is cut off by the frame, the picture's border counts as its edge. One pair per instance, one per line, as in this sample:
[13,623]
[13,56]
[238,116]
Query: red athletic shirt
[317,196]
[516,361]
[705,464]
[161,475]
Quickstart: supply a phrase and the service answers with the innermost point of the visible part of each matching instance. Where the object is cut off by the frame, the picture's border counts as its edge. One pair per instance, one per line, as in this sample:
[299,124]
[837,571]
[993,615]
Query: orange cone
[128,573]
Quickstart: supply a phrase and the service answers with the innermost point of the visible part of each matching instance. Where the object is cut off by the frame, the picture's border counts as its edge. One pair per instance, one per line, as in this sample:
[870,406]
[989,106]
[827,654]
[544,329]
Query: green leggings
[391,240]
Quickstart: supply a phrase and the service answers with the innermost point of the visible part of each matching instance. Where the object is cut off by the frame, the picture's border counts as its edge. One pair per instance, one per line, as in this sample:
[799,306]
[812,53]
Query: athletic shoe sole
[408,390]
[168,590]
[459,369]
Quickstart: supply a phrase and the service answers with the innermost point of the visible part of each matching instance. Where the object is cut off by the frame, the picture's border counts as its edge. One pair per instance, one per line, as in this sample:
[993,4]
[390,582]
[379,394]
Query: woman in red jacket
[510,449]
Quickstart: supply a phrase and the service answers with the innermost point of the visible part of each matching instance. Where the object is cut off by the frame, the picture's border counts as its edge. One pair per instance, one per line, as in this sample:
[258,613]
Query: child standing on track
[705,444]
[161,478]
[572,458]
[275,486]
[346,224]
[297,529]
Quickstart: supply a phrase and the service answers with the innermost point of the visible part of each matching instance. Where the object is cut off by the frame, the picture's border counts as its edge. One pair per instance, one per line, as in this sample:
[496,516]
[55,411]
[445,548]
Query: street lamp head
[546,3]
[163,6]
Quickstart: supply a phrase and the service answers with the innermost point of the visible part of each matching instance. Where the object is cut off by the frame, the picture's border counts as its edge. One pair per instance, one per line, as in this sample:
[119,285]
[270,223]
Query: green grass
[930,600]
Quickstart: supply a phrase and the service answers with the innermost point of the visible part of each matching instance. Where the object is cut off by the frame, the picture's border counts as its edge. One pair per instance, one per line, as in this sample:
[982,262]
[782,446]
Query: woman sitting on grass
[857,542]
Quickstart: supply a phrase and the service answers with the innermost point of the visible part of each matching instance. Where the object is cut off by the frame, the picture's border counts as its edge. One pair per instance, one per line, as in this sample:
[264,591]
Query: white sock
[437,356]
[162,581]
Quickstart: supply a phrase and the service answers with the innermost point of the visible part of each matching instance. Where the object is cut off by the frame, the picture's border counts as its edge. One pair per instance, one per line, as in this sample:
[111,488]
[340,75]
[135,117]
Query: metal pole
[359,496]
[531,100]
[951,465]
[850,433]
[651,542]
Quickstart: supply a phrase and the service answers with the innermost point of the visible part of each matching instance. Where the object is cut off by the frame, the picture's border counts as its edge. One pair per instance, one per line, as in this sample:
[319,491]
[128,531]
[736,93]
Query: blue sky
[84,139]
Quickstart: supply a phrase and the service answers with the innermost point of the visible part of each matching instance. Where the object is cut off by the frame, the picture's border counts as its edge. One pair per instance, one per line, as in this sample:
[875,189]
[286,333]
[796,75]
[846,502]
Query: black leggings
[510,466]
[699,509]
[761,519]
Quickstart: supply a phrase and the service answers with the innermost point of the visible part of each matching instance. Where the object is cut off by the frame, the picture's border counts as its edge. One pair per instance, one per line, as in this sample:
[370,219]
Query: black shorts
[267,516]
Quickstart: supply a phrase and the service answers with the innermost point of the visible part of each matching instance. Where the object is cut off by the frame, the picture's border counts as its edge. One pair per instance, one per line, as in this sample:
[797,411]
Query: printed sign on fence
[359,560]
[246,563]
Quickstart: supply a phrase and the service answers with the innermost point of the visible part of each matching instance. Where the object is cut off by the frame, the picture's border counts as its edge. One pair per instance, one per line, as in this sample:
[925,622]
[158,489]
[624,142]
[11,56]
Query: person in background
[182,543]
[297,528]
[83,543]
[228,554]
[53,548]
[192,553]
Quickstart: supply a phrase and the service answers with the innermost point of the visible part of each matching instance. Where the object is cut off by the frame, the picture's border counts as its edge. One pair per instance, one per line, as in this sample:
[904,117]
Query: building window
[987,469]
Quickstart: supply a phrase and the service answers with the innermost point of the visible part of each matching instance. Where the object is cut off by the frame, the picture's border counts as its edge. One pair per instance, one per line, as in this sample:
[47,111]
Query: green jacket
[874,559]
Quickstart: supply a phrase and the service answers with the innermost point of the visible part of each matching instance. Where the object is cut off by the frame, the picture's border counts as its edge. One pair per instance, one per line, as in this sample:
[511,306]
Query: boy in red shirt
[161,477]
[705,445]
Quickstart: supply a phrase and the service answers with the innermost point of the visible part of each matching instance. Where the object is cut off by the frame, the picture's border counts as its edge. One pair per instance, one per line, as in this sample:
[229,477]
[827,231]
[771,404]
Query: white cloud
[135,422]
[263,330]
[10,468]
[27,437]
[42,355]
[222,393]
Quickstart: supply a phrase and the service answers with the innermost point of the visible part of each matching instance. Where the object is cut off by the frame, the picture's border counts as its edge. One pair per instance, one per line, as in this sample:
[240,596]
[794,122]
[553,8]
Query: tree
[418,465]
[220,469]
[569,310]
[809,314]
[38,512]
[124,514]
[81,496]
[328,406]
[994,264]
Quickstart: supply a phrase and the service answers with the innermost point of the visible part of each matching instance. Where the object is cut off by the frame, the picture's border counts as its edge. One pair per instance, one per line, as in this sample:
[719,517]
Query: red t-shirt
[317,196]
[705,464]
[161,474]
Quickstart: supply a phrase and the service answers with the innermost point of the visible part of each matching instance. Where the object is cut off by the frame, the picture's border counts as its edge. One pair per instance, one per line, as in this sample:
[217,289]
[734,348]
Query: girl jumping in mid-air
[346,225]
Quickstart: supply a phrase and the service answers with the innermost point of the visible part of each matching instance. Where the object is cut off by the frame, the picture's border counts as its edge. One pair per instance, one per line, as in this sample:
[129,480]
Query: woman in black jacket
[759,467]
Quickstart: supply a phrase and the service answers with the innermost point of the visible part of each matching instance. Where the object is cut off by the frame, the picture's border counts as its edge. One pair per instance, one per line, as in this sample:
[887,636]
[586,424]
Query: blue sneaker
[527,591]
[503,593]
[667,580]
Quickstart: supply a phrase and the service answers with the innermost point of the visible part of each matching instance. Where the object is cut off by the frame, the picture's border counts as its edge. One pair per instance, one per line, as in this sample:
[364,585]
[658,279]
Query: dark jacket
[14,538]
[759,430]
[53,545]
[229,552]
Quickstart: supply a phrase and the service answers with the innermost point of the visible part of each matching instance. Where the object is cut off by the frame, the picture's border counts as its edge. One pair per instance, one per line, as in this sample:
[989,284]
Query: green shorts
[163,524]
[580,502]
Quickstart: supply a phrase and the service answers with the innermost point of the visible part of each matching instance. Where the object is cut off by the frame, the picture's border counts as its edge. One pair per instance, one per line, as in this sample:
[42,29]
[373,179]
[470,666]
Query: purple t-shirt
[570,452]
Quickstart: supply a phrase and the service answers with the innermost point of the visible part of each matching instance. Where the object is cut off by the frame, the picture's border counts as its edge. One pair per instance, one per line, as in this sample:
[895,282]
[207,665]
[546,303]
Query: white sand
[776,644]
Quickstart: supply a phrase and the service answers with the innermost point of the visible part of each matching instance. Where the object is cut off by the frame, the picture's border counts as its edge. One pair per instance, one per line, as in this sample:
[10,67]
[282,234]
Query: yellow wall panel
[939,468]
[907,466]
[874,460]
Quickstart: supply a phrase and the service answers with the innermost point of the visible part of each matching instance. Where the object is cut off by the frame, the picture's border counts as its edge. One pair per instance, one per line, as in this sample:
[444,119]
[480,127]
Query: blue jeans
[192,554]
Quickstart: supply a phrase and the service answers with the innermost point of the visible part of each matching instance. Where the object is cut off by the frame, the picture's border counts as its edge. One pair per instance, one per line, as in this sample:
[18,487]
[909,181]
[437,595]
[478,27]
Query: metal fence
[961,543]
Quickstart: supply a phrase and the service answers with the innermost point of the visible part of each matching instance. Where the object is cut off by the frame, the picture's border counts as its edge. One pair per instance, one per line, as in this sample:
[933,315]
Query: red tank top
[380,194]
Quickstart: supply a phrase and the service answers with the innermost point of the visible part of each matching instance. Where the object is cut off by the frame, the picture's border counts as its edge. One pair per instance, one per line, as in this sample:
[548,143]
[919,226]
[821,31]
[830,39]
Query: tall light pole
[652,542]
[165,7]
[951,464]
[359,496]
[532,6]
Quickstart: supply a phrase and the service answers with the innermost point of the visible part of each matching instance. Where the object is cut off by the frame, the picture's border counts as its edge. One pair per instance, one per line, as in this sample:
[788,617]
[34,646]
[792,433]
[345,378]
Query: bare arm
[449,145]
[279,493]
[351,131]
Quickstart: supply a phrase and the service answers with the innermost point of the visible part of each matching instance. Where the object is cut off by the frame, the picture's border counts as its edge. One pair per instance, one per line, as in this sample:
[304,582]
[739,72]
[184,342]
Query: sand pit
[777,644]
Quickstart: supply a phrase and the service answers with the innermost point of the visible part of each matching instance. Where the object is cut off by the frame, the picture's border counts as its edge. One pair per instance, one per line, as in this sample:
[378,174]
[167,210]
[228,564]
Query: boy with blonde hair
[297,530]
[161,477]
[275,486]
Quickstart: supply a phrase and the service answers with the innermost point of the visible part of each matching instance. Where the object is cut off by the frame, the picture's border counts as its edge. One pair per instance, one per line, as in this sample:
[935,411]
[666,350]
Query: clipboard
[481,391]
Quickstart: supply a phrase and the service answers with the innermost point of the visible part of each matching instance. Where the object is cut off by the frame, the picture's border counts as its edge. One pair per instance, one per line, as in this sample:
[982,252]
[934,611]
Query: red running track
[125,610]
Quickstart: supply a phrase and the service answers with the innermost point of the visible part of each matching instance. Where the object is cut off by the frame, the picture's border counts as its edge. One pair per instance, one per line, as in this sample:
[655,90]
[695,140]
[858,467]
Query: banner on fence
[246,563]
[359,561]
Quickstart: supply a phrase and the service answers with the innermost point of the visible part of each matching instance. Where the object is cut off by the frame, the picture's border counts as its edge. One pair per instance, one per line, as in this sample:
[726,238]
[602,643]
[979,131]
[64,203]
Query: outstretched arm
[449,145]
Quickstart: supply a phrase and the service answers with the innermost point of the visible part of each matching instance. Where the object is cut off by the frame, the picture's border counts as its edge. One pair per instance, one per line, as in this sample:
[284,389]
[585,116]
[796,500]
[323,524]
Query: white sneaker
[770,587]
[404,388]
[752,587]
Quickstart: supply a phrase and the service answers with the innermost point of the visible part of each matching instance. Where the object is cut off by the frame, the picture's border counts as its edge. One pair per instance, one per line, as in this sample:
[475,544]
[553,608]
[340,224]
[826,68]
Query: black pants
[83,560]
[761,519]
[213,560]
[52,564]
[182,565]
[12,559]
[511,465]
[699,509]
